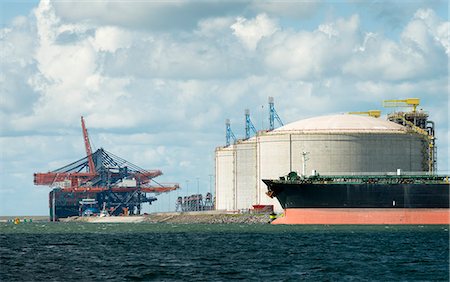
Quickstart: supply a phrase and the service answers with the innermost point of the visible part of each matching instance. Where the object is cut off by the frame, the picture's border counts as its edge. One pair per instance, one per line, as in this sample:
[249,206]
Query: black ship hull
[360,195]
[361,203]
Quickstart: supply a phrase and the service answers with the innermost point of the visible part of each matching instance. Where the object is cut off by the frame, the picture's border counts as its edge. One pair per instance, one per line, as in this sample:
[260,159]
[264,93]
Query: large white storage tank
[236,175]
[225,179]
[337,144]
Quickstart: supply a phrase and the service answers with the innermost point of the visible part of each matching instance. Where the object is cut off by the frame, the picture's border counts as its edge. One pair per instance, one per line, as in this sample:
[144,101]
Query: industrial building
[334,144]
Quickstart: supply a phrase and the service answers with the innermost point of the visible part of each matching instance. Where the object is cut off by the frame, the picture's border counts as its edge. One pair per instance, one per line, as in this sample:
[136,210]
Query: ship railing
[373,177]
[402,173]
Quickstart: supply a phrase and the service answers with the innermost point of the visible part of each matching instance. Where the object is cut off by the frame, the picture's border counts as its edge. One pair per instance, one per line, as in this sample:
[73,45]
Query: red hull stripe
[364,216]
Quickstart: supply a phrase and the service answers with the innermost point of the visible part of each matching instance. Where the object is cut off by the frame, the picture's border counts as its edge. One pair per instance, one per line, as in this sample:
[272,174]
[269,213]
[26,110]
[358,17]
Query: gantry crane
[371,113]
[417,121]
[118,186]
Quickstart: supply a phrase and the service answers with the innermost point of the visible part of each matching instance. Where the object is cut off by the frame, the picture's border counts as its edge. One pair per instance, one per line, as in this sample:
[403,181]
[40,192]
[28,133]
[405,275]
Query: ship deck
[365,179]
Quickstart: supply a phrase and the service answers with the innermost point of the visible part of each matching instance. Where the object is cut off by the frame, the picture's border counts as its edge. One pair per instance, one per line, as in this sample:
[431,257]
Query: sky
[155,80]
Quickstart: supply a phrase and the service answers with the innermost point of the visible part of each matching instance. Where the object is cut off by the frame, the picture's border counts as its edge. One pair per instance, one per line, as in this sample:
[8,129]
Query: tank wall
[225,180]
[347,153]
[246,179]
[273,161]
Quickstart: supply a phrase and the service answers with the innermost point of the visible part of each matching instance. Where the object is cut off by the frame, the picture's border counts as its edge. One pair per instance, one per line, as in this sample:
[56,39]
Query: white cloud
[417,55]
[212,27]
[384,59]
[145,15]
[250,32]
[426,27]
[17,68]
[311,55]
[175,15]
[70,80]
[111,38]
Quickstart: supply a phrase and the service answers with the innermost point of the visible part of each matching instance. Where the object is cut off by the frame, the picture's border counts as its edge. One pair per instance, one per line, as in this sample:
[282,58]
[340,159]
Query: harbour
[368,148]
[224,140]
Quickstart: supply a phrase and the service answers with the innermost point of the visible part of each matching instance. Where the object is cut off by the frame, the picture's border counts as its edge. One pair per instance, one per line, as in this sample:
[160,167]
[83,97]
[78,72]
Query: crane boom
[371,113]
[162,189]
[409,102]
[87,145]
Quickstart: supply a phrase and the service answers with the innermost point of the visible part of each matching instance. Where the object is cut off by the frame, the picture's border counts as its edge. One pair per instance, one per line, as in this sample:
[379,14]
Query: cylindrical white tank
[338,144]
[225,179]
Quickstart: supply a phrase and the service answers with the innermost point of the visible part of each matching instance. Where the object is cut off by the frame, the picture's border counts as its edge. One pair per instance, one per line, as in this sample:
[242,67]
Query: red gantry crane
[100,181]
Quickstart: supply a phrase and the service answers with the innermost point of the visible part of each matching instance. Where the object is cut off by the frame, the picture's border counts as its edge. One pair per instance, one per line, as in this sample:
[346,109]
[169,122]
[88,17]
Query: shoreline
[34,218]
[179,217]
[203,217]
[208,218]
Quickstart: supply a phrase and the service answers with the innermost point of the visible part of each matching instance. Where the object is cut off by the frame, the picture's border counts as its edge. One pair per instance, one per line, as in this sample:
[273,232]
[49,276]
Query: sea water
[207,252]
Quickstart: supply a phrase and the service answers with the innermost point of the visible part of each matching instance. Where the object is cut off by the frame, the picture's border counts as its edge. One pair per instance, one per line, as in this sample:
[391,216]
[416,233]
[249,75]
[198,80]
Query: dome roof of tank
[343,123]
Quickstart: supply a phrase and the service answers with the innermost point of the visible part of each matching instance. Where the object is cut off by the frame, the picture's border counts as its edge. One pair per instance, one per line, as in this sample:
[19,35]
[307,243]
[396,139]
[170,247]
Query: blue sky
[156,80]
[11,9]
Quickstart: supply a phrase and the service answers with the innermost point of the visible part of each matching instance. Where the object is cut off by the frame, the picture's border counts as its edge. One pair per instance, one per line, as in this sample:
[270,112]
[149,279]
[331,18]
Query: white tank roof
[343,123]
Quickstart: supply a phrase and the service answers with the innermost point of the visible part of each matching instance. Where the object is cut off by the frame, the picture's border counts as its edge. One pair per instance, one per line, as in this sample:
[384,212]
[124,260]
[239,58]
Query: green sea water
[221,252]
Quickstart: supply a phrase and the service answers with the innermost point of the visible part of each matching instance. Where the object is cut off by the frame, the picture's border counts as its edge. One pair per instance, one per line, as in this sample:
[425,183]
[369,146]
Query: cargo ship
[361,199]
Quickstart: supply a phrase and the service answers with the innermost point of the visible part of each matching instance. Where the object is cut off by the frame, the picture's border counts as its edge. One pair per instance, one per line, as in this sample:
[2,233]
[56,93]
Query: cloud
[250,32]
[393,15]
[212,27]
[418,55]
[175,15]
[18,67]
[428,31]
[311,55]
[111,38]
[109,72]
[68,79]
[145,15]
[287,9]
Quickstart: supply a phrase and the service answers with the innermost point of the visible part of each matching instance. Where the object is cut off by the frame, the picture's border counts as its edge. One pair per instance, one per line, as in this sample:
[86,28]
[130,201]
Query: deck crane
[417,121]
[371,113]
[116,185]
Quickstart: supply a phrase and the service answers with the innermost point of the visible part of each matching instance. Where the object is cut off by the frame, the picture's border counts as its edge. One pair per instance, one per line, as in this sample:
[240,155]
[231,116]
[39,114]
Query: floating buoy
[16,220]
